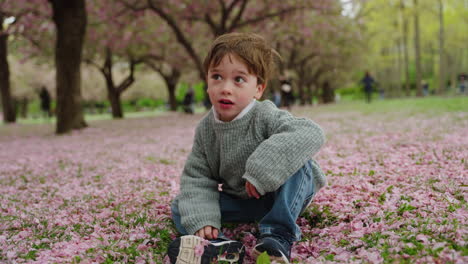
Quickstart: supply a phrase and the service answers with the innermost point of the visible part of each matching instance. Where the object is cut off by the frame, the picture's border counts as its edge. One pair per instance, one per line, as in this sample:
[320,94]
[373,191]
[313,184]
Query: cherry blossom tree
[161,55]
[8,108]
[318,48]
[112,39]
[218,16]
[119,34]
[20,15]
[70,20]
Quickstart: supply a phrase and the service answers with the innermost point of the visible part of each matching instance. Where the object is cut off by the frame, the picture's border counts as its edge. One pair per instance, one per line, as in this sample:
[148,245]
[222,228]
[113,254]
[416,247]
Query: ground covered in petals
[397,188]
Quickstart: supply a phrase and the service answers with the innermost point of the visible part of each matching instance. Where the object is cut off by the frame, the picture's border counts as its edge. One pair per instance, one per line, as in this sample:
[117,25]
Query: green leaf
[263,258]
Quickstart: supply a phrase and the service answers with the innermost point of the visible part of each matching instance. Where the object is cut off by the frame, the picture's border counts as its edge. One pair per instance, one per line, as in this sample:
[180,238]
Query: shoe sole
[228,251]
[277,259]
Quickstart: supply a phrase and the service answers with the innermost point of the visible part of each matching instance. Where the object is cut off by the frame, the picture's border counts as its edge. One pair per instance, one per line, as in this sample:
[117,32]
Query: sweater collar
[239,116]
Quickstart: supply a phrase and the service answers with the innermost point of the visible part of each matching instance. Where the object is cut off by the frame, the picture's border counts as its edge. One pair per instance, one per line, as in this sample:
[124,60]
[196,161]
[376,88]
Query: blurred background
[98,59]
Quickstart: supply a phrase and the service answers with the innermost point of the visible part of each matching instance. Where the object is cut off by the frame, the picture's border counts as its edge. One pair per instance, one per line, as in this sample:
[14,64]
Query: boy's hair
[251,48]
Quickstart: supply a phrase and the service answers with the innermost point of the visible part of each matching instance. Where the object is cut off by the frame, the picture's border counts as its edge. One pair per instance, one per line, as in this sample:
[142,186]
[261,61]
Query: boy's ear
[260,90]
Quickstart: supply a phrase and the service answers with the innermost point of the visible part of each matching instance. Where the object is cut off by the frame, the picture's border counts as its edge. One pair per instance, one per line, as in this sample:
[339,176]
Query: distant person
[188,101]
[45,101]
[276,98]
[463,83]
[260,154]
[368,83]
[287,96]
[425,87]
[206,102]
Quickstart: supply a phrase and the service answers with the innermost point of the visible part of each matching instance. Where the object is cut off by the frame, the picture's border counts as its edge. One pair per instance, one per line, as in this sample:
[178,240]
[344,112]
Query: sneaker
[196,250]
[277,248]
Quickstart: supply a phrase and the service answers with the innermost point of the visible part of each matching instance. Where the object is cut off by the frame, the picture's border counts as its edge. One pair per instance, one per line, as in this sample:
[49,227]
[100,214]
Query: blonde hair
[251,48]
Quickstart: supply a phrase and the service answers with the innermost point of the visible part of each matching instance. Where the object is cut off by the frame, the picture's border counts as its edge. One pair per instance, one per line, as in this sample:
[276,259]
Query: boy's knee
[305,173]
[175,208]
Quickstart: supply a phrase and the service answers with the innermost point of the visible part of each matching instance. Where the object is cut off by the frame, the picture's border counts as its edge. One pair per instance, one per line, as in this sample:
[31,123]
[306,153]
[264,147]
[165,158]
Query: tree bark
[328,95]
[114,92]
[23,107]
[417,49]
[441,87]
[309,92]
[116,106]
[399,68]
[171,83]
[9,113]
[70,21]
[302,94]
[301,89]
[405,48]
[398,43]
[172,99]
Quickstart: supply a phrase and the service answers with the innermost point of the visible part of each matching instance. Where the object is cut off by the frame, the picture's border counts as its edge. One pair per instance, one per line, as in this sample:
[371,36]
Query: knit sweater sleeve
[199,195]
[290,143]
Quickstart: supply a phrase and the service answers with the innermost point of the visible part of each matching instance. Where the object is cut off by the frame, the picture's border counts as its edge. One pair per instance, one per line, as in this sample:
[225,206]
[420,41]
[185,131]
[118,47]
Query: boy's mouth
[225,102]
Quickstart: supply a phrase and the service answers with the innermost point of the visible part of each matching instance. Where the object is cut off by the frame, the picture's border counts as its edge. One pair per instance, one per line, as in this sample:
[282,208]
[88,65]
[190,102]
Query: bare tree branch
[265,17]
[211,23]
[93,63]
[179,35]
[133,6]
[235,21]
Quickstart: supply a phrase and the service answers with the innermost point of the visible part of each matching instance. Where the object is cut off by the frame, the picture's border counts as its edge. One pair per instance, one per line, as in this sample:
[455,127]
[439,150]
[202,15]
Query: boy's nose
[226,88]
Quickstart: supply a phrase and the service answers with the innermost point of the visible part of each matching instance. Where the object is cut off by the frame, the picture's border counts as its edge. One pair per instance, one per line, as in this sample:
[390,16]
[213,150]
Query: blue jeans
[276,212]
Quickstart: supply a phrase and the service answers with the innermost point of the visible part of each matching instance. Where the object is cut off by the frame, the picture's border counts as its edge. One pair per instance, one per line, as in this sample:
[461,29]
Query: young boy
[261,155]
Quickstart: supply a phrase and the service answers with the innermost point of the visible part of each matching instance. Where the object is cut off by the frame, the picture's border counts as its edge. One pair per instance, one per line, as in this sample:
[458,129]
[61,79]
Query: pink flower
[199,249]
[11,254]
[421,238]
[142,247]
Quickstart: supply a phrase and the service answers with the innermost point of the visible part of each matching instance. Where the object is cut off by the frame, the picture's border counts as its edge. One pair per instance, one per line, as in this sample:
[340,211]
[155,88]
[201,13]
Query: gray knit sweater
[264,147]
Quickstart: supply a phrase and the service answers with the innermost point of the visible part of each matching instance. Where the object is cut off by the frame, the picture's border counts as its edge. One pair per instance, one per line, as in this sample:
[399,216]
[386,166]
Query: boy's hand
[208,232]
[251,190]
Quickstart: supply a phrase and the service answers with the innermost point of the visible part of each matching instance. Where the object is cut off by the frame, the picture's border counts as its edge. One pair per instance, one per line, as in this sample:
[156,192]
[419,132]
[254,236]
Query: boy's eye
[216,76]
[239,79]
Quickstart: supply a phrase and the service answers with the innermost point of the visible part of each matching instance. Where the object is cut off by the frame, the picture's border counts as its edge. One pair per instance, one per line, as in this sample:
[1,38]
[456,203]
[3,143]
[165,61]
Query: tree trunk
[70,21]
[23,107]
[301,91]
[301,84]
[328,95]
[309,94]
[172,98]
[115,91]
[405,48]
[171,82]
[441,87]
[116,106]
[9,114]
[113,94]
[399,63]
[417,49]
[399,69]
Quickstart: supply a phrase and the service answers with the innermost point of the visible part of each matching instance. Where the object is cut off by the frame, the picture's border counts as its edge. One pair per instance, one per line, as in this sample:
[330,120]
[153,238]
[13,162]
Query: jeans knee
[175,209]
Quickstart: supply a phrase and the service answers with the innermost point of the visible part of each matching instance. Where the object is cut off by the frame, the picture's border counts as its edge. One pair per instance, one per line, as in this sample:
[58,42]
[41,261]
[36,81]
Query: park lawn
[396,193]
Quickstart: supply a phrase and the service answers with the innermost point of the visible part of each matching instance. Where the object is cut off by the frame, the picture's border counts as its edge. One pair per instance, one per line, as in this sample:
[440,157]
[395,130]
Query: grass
[429,105]
[37,118]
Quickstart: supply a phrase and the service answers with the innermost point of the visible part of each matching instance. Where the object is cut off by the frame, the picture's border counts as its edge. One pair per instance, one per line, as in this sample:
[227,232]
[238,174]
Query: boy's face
[231,87]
